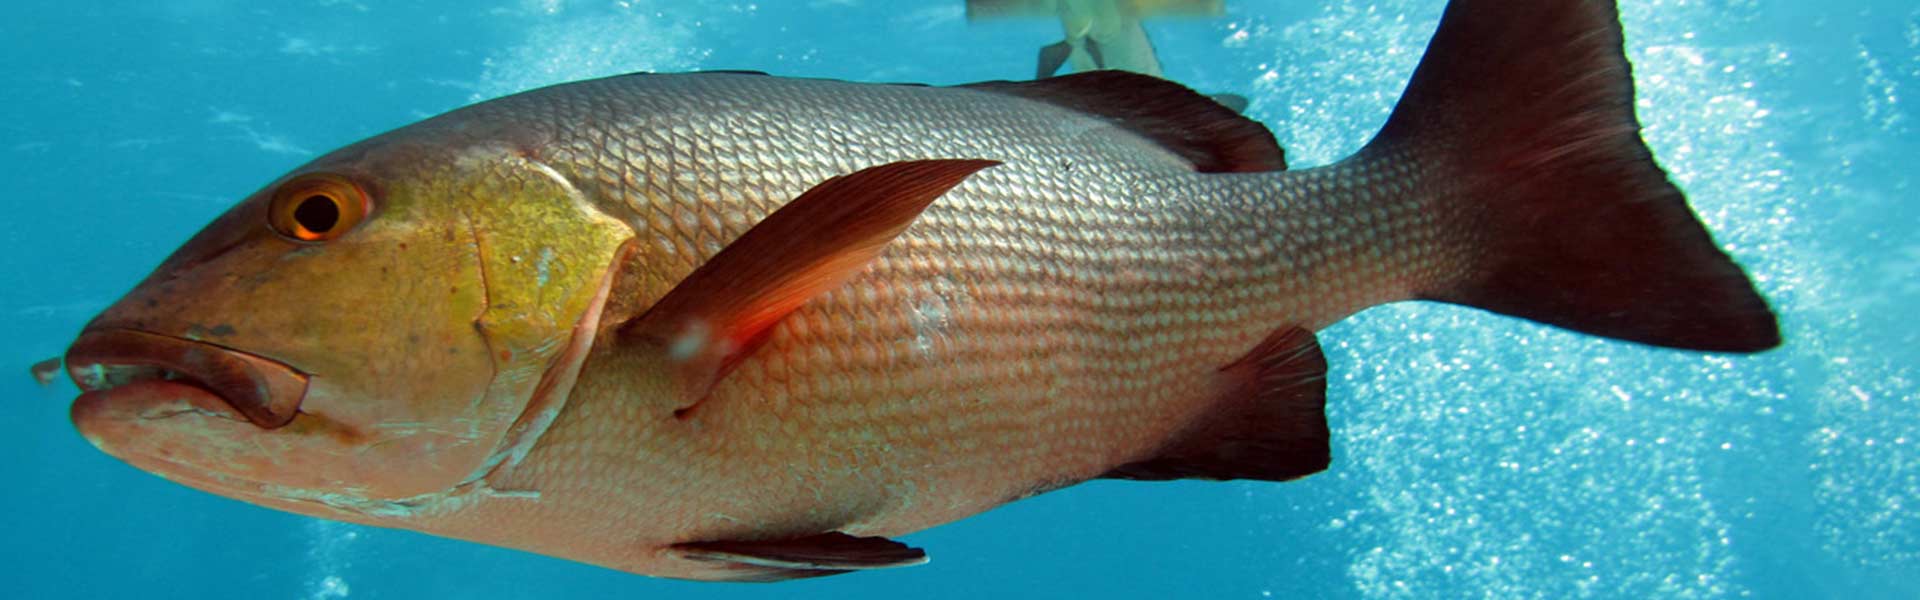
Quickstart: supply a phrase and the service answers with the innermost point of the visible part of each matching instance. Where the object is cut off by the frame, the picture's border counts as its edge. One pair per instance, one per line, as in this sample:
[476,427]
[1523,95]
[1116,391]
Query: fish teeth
[93,377]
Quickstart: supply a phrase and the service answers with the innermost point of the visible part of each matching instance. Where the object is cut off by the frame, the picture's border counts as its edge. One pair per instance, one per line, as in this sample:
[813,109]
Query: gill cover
[548,256]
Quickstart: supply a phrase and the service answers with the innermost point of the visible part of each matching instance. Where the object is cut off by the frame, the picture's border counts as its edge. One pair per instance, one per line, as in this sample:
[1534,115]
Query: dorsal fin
[1211,136]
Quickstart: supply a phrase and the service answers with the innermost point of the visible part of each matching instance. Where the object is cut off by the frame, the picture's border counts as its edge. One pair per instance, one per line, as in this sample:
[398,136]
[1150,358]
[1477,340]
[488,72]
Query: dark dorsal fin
[1271,423]
[1211,136]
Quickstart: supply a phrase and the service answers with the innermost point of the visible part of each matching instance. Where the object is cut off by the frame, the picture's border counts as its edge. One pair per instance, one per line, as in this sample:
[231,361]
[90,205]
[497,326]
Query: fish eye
[317,207]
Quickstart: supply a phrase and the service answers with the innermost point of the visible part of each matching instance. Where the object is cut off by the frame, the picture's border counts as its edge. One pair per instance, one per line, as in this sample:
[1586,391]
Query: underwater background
[1475,455]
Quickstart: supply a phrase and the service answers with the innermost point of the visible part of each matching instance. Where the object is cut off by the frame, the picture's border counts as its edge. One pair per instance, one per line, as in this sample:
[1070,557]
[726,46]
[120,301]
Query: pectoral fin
[724,309]
[830,553]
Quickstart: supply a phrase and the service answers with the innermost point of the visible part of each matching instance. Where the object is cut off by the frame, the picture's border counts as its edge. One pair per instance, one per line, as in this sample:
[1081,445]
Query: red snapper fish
[730,326]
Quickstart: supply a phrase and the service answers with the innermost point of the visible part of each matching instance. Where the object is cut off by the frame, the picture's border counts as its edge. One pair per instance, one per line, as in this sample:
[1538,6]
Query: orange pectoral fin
[724,309]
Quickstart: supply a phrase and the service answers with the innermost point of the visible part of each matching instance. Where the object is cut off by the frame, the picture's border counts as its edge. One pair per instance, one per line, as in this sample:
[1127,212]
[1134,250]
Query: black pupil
[317,214]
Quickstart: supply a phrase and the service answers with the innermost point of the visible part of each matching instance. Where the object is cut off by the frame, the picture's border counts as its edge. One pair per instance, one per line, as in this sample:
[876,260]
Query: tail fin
[1529,107]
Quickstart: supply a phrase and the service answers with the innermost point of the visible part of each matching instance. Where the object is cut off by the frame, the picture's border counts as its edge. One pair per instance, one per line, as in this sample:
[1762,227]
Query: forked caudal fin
[1529,108]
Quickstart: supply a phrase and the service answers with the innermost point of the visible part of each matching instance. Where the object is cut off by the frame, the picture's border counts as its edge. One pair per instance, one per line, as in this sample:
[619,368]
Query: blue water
[1475,455]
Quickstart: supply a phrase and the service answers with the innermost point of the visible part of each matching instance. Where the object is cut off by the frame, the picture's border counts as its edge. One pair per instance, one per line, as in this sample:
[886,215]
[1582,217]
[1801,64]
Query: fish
[1103,34]
[737,327]
[1099,34]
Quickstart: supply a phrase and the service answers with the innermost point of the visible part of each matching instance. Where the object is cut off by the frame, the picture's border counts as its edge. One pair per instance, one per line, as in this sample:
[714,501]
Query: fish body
[742,327]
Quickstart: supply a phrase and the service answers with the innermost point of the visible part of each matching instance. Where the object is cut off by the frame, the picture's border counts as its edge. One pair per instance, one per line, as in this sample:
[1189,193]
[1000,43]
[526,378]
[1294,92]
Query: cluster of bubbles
[330,554]
[567,43]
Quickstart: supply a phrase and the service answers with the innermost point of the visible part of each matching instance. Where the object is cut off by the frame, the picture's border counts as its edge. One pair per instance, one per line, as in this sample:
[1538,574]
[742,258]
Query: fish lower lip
[267,392]
[153,399]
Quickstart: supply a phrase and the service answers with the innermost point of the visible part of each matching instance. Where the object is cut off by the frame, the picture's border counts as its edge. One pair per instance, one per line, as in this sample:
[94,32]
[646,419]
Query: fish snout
[115,366]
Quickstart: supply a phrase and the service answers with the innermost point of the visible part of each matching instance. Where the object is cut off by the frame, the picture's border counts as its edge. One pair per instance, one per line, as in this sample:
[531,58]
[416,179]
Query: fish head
[364,336]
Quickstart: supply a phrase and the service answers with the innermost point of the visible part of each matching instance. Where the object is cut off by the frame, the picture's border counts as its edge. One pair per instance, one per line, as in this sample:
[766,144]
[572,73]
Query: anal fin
[1271,425]
[830,553]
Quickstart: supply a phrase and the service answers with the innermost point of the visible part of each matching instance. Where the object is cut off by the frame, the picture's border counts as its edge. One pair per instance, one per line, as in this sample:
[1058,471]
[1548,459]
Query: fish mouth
[127,362]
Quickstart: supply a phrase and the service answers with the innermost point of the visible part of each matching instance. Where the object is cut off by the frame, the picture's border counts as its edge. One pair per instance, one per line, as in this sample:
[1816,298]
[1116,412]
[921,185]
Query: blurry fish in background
[1102,34]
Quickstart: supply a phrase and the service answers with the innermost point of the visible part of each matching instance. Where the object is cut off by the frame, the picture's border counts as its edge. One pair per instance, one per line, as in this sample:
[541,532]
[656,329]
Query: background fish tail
[1520,123]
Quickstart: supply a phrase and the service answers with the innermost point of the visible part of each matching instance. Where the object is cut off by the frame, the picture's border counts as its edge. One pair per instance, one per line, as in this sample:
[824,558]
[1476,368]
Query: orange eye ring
[317,207]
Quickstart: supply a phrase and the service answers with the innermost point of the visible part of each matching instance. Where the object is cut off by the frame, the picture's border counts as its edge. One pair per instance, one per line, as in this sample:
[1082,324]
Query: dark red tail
[1530,104]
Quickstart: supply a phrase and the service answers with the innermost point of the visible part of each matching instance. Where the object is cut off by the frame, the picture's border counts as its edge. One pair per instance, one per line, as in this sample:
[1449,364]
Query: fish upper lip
[266,391]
